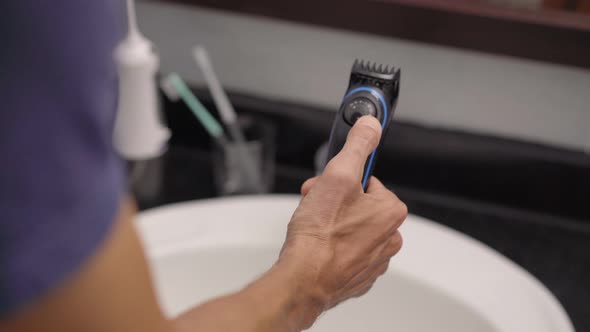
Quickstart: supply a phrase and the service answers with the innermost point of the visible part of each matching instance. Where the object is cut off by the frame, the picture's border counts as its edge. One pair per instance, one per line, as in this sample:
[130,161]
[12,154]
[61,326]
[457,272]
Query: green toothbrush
[175,88]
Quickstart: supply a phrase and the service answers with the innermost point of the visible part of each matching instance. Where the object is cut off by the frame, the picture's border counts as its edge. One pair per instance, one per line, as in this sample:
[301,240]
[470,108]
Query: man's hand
[340,238]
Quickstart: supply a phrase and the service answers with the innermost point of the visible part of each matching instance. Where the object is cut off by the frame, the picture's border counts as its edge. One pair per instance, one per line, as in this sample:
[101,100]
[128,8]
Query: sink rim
[458,265]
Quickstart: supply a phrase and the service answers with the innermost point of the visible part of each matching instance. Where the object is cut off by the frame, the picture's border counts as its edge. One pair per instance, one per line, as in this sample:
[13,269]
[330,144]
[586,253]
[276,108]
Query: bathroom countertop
[557,253]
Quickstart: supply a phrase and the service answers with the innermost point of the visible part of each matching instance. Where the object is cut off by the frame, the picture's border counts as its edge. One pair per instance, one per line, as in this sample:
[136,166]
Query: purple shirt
[60,179]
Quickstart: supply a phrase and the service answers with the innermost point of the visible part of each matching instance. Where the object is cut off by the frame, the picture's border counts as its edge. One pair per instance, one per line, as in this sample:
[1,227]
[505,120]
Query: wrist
[307,302]
[286,296]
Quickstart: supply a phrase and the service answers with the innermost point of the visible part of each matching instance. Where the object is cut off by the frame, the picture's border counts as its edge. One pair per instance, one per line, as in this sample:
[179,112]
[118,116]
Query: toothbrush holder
[230,176]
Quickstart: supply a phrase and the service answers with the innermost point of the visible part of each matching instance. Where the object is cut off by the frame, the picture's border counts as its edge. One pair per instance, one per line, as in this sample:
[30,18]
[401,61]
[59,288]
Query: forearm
[113,292]
[274,302]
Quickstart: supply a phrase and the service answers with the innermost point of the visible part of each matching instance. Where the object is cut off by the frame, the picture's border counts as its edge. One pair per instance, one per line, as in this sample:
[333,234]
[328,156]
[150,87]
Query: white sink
[441,281]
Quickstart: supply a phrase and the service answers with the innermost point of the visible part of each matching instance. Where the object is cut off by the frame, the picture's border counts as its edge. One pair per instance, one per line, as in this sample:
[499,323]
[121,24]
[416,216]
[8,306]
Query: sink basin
[442,280]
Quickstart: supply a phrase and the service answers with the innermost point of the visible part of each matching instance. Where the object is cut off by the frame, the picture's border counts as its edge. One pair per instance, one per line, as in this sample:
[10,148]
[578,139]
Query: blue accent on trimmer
[385,111]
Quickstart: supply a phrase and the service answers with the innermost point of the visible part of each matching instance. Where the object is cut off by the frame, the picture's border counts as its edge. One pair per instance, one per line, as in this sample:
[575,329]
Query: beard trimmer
[373,90]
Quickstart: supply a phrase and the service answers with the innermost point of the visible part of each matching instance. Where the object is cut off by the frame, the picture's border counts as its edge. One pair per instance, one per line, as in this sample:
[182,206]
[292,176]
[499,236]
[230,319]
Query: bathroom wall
[441,86]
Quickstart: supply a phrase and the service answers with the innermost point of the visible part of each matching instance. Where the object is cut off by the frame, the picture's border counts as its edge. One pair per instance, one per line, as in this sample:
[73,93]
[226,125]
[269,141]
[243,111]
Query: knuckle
[391,205]
[394,247]
[397,211]
[365,290]
[391,215]
[397,241]
[403,210]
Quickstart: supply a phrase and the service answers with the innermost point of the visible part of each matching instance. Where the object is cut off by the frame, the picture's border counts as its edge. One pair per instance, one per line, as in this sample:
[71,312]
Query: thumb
[362,139]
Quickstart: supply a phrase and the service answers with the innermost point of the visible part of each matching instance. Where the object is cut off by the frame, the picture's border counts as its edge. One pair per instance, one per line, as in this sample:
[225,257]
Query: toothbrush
[225,108]
[175,88]
[228,115]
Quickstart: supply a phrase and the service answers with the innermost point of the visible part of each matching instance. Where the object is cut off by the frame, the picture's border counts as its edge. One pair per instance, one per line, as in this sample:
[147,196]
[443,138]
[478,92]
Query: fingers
[375,186]
[307,185]
[398,210]
[392,247]
[373,274]
[381,266]
[388,249]
[362,139]
[379,260]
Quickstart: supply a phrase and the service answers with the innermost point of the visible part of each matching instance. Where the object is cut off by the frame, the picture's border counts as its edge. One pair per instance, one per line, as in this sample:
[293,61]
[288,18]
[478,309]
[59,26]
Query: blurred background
[492,131]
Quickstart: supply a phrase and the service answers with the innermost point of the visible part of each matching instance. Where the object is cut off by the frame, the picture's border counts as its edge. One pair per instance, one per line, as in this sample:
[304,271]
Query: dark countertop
[524,200]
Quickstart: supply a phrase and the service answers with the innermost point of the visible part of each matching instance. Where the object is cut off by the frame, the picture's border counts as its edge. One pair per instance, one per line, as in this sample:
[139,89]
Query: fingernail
[370,121]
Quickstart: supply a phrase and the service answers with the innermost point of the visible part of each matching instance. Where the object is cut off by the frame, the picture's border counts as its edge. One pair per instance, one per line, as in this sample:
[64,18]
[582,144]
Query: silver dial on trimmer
[358,107]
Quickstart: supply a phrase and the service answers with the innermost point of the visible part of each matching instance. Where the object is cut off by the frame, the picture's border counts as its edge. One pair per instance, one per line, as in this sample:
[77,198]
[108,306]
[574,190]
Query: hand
[341,239]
